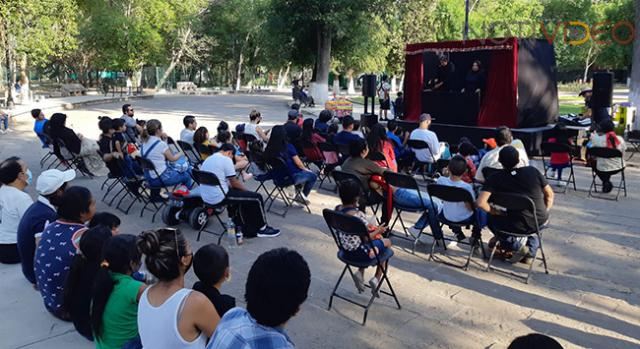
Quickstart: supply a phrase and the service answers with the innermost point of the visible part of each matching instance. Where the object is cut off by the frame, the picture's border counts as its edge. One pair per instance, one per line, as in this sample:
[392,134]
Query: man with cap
[293,130]
[347,135]
[50,185]
[503,138]
[422,133]
[597,114]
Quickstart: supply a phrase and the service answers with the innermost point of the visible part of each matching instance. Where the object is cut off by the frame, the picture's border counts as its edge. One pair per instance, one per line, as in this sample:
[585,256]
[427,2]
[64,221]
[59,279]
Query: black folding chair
[550,148]
[70,160]
[192,155]
[454,195]
[403,181]
[344,226]
[606,153]
[423,166]
[265,176]
[515,205]
[50,153]
[328,168]
[633,138]
[147,165]
[207,211]
[369,198]
[283,179]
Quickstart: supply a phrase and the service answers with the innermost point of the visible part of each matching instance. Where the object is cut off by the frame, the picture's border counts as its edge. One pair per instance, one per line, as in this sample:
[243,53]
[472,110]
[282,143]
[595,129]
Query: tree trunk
[351,88]
[336,85]
[588,63]
[25,95]
[176,57]
[282,80]
[320,88]
[634,91]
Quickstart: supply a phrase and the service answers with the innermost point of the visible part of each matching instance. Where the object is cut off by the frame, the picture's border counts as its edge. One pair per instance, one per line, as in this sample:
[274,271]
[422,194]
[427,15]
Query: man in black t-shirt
[526,181]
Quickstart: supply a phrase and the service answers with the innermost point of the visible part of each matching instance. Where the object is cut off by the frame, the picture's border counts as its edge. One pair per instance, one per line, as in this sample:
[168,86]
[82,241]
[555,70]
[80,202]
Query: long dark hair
[200,136]
[376,136]
[307,129]
[277,142]
[119,254]
[163,249]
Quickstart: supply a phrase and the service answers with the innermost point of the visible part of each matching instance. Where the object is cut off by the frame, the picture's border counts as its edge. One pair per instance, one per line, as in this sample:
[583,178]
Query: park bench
[73,90]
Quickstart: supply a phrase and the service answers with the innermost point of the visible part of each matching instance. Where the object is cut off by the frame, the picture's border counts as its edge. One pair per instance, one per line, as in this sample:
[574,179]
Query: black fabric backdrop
[537,88]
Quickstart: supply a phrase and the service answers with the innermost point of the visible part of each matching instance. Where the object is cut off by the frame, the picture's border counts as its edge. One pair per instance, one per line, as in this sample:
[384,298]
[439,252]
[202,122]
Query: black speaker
[369,85]
[368,120]
[602,90]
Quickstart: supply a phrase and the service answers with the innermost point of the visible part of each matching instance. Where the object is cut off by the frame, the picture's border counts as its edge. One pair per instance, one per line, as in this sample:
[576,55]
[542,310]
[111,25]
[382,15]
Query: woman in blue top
[279,147]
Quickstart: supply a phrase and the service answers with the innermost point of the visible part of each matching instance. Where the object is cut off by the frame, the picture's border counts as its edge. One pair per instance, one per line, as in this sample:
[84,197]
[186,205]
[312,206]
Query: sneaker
[373,283]
[607,187]
[519,255]
[460,235]
[9,130]
[268,232]
[358,280]
[2,132]
[305,198]
[415,231]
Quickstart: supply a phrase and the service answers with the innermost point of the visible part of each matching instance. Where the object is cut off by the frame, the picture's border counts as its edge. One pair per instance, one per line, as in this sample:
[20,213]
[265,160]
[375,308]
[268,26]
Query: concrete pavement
[590,299]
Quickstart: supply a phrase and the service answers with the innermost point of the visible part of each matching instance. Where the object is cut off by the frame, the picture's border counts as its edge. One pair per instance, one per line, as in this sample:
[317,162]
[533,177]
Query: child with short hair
[211,266]
[357,249]
[108,220]
[458,211]
[467,150]
[560,161]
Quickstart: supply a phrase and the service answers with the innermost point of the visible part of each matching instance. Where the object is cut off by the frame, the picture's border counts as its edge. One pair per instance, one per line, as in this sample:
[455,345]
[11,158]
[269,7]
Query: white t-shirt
[456,211]
[13,204]
[430,137]
[250,129]
[222,167]
[603,164]
[186,135]
[491,160]
[155,155]
[383,92]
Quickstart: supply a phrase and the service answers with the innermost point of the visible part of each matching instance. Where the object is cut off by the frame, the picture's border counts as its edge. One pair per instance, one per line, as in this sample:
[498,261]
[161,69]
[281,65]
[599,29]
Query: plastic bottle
[239,236]
[231,233]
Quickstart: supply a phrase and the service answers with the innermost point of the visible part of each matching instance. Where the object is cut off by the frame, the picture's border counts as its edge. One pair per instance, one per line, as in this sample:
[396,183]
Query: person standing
[14,202]
[50,186]
[384,98]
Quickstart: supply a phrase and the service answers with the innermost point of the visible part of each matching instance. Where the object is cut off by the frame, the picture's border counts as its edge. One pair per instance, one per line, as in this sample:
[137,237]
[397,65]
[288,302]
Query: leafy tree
[634,93]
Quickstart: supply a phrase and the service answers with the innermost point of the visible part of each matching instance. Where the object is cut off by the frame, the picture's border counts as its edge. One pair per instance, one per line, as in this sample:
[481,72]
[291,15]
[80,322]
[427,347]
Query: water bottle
[239,236]
[231,233]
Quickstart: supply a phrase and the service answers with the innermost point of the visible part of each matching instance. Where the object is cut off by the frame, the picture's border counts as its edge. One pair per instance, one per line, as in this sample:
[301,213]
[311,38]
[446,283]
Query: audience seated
[77,144]
[347,134]
[467,150]
[116,294]
[253,127]
[379,143]
[503,138]
[82,273]
[108,220]
[156,150]
[607,138]
[322,123]
[310,135]
[489,145]
[240,161]
[50,186]
[278,146]
[277,285]
[458,211]
[133,129]
[356,249]
[247,207]
[293,130]
[39,124]
[4,122]
[560,161]
[14,202]
[526,181]
[169,315]
[203,144]
[211,266]
[534,341]
[422,133]
[58,246]
[190,126]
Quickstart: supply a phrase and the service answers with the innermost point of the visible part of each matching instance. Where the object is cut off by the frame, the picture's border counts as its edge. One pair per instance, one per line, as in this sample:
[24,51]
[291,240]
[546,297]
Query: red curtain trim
[466,49]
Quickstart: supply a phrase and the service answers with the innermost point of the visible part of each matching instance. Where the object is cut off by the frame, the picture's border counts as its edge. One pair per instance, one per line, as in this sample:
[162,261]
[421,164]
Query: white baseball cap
[51,180]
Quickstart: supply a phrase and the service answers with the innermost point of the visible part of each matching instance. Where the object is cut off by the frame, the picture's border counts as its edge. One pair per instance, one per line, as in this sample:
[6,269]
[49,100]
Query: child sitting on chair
[211,265]
[357,249]
[560,161]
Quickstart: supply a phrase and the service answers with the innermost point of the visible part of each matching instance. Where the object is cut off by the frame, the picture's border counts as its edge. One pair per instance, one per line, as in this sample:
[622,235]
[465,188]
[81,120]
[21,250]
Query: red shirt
[559,158]
[471,171]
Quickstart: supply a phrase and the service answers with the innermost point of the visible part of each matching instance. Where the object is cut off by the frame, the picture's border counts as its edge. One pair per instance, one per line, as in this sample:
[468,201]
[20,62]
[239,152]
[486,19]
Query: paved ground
[590,298]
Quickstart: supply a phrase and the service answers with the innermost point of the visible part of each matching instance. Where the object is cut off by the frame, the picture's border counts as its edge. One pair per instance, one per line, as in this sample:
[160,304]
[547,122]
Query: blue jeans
[478,222]
[171,176]
[411,199]
[559,168]
[5,121]
[307,178]
[512,243]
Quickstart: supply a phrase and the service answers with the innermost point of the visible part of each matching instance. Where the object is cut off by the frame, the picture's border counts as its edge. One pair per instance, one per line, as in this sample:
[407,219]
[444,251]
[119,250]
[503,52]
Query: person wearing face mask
[50,185]
[59,244]
[171,316]
[14,202]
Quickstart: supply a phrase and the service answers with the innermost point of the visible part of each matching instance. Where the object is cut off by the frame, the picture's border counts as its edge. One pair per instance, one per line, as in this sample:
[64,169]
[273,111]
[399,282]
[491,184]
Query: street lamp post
[466,20]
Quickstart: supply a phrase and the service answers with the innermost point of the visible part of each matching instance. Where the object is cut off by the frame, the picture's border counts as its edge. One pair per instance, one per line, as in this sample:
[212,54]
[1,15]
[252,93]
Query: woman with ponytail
[607,138]
[85,265]
[171,316]
[116,293]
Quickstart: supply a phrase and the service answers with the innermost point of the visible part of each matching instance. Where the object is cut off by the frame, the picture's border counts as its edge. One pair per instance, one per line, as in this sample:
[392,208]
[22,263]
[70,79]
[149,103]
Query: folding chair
[454,195]
[607,153]
[633,138]
[192,155]
[516,204]
[282,179]
[343,226]
[403,181]
[148,166]
[51,154]
[262,178]
[69,159]
[547,150]
[378,156]
[368,198]
[208,178]
[328,167]
[422,165]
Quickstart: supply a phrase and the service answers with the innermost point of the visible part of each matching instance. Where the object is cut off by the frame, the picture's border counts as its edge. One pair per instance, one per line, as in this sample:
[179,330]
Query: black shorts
[385,104]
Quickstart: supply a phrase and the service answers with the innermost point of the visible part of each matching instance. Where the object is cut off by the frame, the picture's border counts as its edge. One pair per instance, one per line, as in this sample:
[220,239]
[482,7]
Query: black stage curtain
[537,84]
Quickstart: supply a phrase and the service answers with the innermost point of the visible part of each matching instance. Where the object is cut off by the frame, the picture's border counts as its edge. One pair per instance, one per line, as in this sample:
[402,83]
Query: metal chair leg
[335,288]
